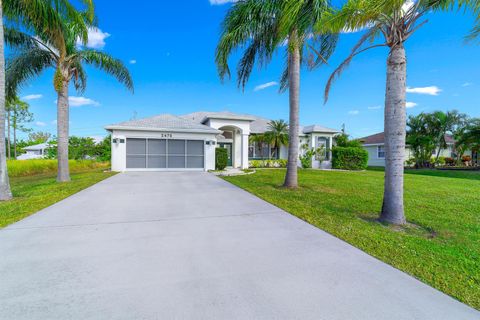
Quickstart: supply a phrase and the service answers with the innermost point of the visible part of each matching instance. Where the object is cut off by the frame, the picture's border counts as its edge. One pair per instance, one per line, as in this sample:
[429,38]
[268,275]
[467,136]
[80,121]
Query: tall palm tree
[35,57]
[33,15]
[277,134]
[394,21]
[265,26]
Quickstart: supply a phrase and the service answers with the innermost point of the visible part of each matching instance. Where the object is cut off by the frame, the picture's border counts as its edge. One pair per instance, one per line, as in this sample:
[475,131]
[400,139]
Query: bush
[21,168]
[271,163]
[449,161]
[349,158]
[466,158]
[221,158]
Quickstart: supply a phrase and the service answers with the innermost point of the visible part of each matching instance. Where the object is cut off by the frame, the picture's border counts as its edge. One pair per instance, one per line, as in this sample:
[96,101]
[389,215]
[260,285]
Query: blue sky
[169,48]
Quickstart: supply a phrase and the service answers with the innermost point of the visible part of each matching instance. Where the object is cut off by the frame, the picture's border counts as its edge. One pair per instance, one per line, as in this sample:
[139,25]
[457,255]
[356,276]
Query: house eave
[207,131]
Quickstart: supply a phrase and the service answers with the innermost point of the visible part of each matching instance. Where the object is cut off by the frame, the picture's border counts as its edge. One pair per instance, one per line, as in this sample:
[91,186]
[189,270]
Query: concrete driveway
[192,246]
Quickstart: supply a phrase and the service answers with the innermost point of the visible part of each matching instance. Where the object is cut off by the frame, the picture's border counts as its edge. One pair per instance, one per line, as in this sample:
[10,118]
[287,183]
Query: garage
[146,153]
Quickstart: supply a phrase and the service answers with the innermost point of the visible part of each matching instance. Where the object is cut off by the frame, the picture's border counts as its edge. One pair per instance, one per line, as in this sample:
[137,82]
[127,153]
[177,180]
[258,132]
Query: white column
[244,151]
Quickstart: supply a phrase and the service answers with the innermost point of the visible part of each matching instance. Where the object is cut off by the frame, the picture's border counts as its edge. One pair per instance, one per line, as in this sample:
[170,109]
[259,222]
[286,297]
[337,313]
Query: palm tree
[33,15]
[444,123]
[395,22]
[34,58]
[264,27]
[277,134]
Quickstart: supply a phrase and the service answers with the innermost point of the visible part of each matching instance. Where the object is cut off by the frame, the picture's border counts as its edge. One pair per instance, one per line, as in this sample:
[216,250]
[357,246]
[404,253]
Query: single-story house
[188,142]
[375,145]
[34,152]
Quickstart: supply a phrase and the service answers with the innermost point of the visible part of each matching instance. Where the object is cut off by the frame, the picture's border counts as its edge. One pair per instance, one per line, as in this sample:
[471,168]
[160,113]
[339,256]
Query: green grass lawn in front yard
[441,246]
[33,193]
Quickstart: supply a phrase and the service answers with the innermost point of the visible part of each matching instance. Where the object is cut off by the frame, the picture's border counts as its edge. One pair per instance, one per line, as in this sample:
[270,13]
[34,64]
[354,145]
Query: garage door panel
[136,161]
[136,146]
[157,146]
[157,161]
[176,162]
[195,148]
[195,162]
[176,147]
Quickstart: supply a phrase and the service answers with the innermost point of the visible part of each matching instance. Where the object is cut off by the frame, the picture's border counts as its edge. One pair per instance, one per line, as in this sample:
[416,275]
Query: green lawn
[441,246]
[33,193]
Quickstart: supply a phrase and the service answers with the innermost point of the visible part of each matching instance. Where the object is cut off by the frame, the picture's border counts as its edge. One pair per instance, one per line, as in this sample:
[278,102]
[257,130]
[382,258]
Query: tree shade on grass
[440,247]
[34,193]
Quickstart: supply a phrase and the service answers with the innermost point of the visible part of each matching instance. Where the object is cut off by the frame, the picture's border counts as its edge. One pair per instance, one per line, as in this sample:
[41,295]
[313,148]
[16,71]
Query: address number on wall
[166,135]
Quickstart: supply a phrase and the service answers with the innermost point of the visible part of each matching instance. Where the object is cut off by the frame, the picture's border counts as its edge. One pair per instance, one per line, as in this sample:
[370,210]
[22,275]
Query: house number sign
[166,135]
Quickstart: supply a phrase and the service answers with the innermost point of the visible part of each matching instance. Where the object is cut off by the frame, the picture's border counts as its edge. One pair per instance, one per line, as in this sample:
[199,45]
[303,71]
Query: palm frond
[16,38]
[27,64]
[79,77]
[108,64]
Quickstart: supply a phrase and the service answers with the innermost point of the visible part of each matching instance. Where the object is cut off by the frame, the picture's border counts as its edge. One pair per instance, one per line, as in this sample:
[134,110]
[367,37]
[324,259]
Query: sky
[169,49]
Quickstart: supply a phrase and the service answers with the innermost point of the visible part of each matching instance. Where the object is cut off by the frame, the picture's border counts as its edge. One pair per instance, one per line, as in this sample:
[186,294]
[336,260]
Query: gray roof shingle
[163,122]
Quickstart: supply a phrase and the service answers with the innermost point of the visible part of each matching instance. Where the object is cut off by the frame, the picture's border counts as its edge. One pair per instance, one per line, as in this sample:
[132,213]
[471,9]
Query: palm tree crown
[277,134]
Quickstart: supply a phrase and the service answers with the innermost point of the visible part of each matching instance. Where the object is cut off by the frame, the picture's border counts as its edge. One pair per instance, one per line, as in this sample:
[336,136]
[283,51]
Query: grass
[33,193]
[440,246]
[22,168]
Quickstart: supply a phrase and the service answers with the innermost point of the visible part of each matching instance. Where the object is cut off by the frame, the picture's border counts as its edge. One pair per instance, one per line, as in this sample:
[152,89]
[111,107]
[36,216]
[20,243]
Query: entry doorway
[229,147]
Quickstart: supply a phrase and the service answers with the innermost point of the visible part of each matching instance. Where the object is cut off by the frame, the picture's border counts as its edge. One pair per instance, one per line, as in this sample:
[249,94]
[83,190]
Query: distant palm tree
[34,58]
[264,27]
[36,15]
[445,122]
[394,21]
[277,134]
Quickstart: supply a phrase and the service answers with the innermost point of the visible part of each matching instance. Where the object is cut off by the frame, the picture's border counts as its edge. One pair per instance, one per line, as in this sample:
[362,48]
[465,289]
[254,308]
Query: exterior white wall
[310,139]
[373,159]
[241,131]
[119,150]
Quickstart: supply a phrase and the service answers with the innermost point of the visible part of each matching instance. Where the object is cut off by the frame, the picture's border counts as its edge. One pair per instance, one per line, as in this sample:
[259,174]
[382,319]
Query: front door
[227,146]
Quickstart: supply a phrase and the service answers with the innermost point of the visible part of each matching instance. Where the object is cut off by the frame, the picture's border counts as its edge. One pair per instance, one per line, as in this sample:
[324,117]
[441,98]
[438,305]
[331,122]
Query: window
[257,150]
[381,152]
[324,143]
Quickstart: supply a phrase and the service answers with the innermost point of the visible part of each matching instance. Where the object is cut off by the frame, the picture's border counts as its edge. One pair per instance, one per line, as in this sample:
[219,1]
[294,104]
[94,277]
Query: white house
[188,142]
[34,152]
[375,145]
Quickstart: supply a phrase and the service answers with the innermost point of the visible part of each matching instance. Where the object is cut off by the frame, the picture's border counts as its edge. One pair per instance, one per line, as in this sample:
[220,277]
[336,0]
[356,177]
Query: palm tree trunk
[291,177]
[9,140]
[5,192]
[395,132]
[63,174]
[15,137]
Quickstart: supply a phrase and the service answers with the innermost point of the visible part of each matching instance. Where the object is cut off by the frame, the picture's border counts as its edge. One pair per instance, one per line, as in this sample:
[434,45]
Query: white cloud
[411,104]
[133,61]
[353,112]
[467,84]
[96,38]
[81,101]
[374,107]
[219,2]
[32,97]
[432,90]
[265,85]
[40,124]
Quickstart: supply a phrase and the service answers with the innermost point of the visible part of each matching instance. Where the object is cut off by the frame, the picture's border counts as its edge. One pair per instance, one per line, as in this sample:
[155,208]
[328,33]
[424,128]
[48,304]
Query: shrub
[449,161]
[349,158]
[21,168]
[466,158]
[221,158]
[271,163]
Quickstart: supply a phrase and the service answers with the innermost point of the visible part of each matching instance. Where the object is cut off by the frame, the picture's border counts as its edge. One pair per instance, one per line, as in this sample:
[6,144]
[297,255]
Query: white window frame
[378,152]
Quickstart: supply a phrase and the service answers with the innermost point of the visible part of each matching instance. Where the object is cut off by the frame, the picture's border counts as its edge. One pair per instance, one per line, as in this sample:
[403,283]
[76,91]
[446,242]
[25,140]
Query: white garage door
[165,154]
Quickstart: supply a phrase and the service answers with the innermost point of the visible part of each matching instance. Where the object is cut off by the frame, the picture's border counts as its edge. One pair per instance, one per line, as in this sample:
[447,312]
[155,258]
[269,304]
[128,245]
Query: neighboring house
[188,142]
[375,145]
[34,152]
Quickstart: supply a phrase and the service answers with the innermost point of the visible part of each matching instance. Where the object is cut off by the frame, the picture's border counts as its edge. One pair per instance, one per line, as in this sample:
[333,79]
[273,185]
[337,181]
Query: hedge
[221,158]
[271,163]
[349,158]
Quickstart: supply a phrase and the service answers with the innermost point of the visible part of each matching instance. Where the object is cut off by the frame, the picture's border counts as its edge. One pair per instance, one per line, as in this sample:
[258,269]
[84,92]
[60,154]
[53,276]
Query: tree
[43,53]
[422,138]
[277,134]
[445,123]
[37,15]
[39,137]
[395,22]
[343,140]
[264,27]
[18,113]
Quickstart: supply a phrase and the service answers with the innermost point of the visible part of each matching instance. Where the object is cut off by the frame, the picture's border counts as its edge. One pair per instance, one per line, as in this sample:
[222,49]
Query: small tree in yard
[221,158]
[309,153]
[17,115]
